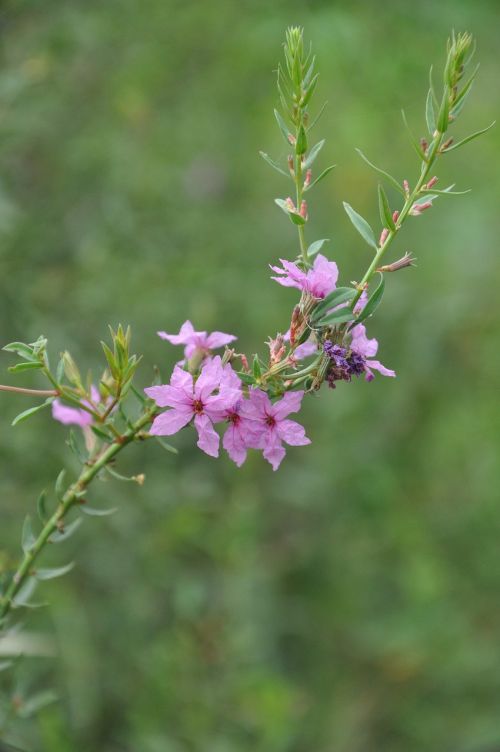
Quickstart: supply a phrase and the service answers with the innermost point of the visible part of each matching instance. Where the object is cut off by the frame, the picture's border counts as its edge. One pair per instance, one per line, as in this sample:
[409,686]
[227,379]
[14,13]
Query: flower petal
[377,365]
[208,439]
[181,379]
[209,378]
[289,403]
[170,422]
[234,444]
[274,451]
[322,278]
[360,343]
[70,415]
[293,433]
[168,396]
[185,335]
[219,339]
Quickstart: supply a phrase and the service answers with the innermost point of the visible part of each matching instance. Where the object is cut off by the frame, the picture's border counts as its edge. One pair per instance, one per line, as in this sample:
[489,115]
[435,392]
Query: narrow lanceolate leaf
[320,177]
[469,138]
[31,411]
[93,512]
[341,316]
[316,119]
[373,301]
[385,174]
[310,91]
[385,209]
[28,539]
[20,367]
[168,447]
[24,595]
[462,96]
[41,506]
[51,574]
[301,145]
[313,153]
[413,140]
[316,247]
[430,115]
[444,192]
[361,225]
[337,297]
[62,535]
[444,113]
[256,369]
[282,126]
[25,351]
[60,484]
[273,164]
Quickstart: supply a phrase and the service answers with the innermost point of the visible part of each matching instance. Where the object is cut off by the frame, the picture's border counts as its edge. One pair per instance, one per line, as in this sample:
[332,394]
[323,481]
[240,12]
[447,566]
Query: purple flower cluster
[216,396]
[355,359]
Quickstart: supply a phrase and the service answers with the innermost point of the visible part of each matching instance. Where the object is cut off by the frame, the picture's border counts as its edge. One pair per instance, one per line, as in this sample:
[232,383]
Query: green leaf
[273,164]
[337,297]
[36,703]
[444,112]
[310,91]
[31,411]
[4,665]
[282,205]
[25,367]
[361,225]
[430,115]
[257,372]
[51,574]
[28,538]
[245,377]
[58,536]
[25,351]
[60,484]
[93,512]
[373,301]
[313,153]
[469,138]
[102,434]
[40,505]
[301,144]
[296,218]
[444,192]
[320,177]
[413,140]
[341,316]
[24,595]
[73,445]
[385,209]
[318,116]
[315,247]
[282,126]
[462,96]
[389,177]
[167,447]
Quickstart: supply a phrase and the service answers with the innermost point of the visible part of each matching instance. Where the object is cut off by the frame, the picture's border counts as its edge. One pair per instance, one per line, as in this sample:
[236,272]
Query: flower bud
[402,263]
[383,236]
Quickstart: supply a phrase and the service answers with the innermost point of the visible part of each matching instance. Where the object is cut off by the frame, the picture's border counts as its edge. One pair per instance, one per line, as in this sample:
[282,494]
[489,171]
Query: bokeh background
[349,602]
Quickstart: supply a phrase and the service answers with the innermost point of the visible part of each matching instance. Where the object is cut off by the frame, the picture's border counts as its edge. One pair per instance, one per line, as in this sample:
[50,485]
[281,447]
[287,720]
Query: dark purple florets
[345,363]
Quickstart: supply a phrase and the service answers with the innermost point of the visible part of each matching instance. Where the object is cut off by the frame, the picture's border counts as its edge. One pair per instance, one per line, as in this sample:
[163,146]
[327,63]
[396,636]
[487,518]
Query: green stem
[69,499]
[410,200]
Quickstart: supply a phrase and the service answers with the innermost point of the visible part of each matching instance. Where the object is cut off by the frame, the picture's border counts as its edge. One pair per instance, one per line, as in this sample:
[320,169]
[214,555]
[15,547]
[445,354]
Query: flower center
[270,421]
[198,406]
[233,418]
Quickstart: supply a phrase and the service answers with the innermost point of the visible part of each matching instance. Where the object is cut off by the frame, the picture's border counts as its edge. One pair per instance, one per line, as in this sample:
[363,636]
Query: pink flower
[271,426]
[307,348]
[367,348]
[241,432]
[194,399]
[197,342]
[74,416]
[318,281]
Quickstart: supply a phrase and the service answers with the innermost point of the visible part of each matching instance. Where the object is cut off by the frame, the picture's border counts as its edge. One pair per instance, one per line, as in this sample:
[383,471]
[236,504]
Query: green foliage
[350,602]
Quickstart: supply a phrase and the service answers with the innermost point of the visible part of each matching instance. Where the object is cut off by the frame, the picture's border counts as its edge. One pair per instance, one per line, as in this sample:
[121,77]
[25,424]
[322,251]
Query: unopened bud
[291,165]
[277,349]
[292,139]
[406,187]
[395,216]
[446,144]
[417,209]
[432,181]
[424,144]
[383,236]
[303,210]
[307,181]
[407,260]
[295,323]
[139,479]
[244,362]
[290,205]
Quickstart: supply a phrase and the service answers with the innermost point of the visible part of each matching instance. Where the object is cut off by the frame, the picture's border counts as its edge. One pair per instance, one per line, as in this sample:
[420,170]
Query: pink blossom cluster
[216,396]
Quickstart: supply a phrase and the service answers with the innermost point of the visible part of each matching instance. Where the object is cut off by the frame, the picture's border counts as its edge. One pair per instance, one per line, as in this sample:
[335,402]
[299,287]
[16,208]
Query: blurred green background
[349,602]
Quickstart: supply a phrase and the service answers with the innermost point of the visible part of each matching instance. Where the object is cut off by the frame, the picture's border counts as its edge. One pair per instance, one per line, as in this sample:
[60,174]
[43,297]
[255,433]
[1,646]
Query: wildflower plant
[215,385]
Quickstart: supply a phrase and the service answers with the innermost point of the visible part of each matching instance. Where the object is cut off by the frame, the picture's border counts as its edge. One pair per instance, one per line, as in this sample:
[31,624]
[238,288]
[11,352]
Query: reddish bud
[303,210]
[307,181]
[395,216]
[383,236]
[402,263]
[432,181]
[406,187]
[292,139]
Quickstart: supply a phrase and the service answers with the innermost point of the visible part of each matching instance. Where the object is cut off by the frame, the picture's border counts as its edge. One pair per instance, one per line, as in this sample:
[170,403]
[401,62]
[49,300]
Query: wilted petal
[361,344]
[274,451]
[292,275]
[208,439]
[170,422]
[377,365]
[293,433]
[289,403]
[70,415]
